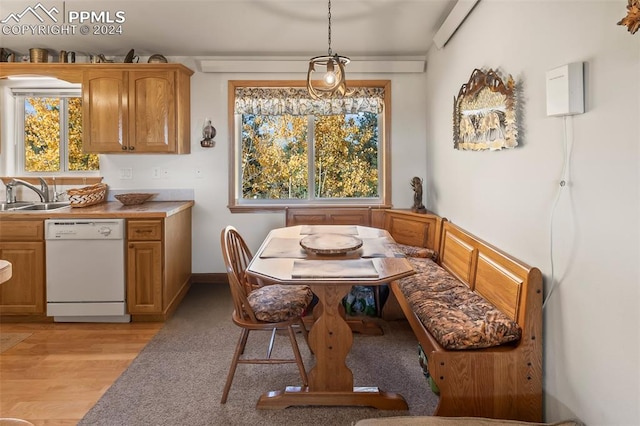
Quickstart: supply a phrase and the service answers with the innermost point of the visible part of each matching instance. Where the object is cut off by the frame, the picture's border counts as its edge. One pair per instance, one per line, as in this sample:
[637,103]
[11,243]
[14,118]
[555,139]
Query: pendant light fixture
[333,82]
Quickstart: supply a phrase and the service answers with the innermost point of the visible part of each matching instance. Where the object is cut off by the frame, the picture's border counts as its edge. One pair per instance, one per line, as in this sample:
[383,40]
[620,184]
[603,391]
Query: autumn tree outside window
[290,149]
[49,132]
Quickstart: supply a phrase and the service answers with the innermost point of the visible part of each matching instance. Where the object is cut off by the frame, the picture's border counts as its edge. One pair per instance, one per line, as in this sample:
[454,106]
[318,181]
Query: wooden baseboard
[210,278]
[7,318]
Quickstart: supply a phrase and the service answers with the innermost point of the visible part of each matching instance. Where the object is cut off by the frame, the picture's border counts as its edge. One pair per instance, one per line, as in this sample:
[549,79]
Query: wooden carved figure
[418,207]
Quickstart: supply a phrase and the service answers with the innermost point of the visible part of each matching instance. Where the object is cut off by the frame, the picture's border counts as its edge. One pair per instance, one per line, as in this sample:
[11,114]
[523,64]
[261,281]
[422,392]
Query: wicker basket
[133,198]
[87,196]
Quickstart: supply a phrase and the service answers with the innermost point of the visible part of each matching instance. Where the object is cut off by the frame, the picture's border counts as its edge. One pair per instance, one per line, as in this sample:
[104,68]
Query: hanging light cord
[329,16]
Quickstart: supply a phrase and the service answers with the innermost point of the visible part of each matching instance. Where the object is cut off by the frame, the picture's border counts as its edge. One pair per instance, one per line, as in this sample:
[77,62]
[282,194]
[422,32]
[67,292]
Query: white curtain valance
[296,101]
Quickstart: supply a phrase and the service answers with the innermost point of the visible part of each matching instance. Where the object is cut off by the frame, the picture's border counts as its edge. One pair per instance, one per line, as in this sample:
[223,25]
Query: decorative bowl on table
[330,244]
[133,198]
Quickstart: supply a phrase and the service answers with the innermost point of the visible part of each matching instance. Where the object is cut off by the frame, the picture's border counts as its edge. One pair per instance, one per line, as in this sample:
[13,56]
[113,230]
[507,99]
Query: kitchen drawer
[144,230]
[21,230]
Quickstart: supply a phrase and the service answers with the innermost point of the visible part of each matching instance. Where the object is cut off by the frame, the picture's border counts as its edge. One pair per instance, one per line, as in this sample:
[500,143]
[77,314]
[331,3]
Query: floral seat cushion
[275,303]
[455,316]
[404,250]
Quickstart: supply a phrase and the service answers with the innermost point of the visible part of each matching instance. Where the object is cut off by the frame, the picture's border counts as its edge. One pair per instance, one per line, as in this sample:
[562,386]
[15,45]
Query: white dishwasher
[85,270]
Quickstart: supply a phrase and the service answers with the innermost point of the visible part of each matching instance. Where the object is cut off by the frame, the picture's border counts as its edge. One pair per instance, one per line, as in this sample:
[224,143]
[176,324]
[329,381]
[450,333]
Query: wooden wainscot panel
[408,232]
[378,218]
[306,218]
[459,258]
[328,216]
[499,286]
[416,229]
[360,217]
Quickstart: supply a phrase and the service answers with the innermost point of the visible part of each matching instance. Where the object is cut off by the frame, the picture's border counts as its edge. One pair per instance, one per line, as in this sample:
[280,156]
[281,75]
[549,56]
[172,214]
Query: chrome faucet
[43,192]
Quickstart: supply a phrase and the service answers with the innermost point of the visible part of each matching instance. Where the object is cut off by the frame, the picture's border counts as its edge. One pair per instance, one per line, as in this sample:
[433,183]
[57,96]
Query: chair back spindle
[237,256]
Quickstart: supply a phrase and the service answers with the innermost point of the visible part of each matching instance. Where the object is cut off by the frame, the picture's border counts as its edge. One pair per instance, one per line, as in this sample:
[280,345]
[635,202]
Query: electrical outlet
[126,173]
[160,173]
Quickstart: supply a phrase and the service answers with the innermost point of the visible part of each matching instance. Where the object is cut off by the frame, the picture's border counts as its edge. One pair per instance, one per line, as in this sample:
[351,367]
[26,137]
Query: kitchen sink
[13,206]
[45,206]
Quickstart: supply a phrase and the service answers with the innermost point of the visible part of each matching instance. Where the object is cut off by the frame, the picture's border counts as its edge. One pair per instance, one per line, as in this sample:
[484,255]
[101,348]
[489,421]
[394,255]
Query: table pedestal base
[361,396]
[362,326]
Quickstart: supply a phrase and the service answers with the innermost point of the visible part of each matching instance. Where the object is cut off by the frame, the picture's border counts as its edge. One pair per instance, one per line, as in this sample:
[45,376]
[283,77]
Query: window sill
[59,180]
[271,208]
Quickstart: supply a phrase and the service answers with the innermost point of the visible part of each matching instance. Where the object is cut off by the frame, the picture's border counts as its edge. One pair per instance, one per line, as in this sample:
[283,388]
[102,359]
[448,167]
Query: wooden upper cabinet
[152,111]
[127,108]
[137,109]
[105,111]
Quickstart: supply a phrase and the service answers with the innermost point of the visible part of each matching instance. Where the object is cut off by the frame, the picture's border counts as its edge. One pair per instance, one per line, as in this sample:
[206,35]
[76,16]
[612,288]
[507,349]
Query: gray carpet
[178,377]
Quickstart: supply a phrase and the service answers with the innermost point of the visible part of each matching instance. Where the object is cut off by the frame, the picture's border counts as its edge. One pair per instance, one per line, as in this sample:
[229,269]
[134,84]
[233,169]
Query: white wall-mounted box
[565,90]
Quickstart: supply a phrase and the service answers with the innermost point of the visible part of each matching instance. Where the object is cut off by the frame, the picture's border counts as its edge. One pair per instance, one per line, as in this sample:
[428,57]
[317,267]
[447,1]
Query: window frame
[19,93]
[235,202]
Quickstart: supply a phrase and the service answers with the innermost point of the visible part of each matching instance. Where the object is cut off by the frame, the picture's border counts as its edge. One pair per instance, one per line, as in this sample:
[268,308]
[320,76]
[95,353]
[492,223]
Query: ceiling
[226,28]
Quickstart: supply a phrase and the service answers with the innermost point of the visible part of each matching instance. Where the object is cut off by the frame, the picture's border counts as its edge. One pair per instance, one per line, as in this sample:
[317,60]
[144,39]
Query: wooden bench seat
[456,316]
[503,381]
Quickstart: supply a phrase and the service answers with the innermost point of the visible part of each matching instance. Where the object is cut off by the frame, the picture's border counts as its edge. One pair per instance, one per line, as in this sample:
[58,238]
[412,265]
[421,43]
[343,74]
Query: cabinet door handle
[131,148]
[124,148]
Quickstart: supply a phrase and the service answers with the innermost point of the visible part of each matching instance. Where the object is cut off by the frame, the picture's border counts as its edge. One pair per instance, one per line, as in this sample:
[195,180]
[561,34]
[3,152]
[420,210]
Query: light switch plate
[126,173]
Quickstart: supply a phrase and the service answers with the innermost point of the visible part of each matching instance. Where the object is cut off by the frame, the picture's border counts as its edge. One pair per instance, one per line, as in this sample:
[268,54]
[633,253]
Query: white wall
[592,336]
[210,214]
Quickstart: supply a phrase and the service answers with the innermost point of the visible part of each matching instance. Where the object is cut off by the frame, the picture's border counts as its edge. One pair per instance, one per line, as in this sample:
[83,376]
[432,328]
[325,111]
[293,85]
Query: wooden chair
[263,308]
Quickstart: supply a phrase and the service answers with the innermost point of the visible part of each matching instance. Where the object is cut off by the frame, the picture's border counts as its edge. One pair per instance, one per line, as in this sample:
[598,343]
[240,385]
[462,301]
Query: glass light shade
[329,78]
[333,83]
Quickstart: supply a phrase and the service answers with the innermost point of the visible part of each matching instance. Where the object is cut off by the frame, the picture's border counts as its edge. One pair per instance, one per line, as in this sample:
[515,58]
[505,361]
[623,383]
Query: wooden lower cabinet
[22,244]
[144,277]
[158,265]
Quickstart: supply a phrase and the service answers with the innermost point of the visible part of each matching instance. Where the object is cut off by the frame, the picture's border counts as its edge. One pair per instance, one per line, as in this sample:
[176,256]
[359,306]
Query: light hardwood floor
[59,372]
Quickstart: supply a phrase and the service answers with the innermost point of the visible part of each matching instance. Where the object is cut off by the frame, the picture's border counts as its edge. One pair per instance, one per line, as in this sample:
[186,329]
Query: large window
[292,150]
[50,133]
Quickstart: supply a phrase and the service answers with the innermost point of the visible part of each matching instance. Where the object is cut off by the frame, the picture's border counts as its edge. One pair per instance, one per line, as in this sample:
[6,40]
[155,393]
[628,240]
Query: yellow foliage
[275,151]
[42,136]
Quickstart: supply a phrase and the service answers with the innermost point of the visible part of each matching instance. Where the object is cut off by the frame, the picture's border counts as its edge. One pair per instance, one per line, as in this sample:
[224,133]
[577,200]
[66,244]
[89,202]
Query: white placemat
[375,247]
[353,268]
[283,247]
[331,229]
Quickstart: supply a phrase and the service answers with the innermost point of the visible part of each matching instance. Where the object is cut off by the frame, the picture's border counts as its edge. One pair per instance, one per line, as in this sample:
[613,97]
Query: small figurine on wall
[418,207]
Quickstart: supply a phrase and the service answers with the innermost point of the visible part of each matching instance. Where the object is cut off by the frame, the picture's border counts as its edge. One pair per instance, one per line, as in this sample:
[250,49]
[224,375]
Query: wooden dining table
[330,273]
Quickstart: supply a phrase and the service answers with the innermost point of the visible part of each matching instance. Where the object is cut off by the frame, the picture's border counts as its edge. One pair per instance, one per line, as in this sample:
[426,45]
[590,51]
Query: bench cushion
[412,251]
[454,315]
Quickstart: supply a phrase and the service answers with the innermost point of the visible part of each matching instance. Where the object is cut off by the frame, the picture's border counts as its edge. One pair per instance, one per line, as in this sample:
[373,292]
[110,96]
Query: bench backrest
[493,274]
[414,229]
